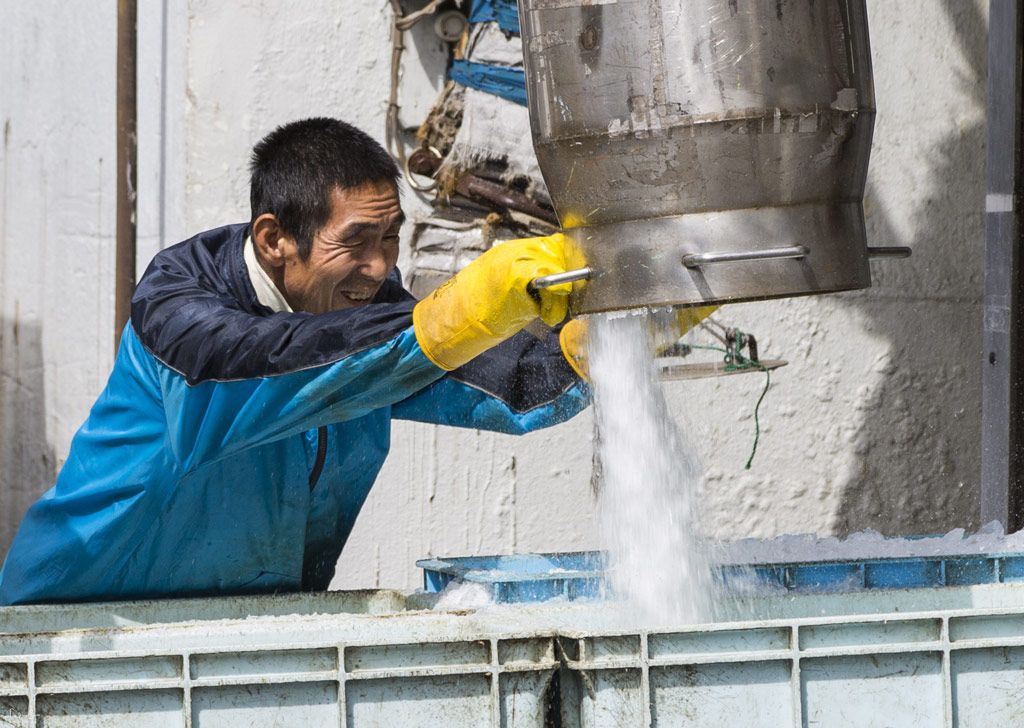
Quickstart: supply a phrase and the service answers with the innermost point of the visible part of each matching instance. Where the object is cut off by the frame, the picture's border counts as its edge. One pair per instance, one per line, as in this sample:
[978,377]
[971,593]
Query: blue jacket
[233,447]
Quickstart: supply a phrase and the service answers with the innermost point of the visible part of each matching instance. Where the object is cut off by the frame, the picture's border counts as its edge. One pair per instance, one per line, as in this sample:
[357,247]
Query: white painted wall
[874,424]
[56,229]
[57,199]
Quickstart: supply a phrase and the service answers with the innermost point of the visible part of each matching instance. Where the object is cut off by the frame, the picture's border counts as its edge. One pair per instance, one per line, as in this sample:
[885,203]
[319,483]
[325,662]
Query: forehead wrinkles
[371,196]
[378,206]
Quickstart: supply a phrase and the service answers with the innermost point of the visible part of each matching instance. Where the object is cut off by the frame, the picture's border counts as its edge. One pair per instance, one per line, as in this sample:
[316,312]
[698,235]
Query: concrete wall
[875,423]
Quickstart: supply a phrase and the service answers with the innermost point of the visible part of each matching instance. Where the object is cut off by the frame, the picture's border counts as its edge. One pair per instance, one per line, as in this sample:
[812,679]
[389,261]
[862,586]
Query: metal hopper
[704,150]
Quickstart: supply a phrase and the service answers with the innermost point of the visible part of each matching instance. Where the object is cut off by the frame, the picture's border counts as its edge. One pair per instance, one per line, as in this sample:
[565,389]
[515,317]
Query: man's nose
[373,263]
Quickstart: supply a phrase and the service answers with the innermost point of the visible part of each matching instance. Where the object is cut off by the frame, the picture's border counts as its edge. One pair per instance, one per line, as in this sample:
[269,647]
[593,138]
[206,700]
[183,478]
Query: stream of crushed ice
[649,480]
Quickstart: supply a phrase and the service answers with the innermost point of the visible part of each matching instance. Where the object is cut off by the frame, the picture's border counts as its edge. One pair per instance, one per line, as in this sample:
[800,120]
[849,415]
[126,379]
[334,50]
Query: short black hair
[295,168]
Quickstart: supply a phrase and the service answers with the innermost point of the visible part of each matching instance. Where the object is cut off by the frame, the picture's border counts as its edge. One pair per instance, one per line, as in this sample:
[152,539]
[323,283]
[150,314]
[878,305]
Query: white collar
[266,292]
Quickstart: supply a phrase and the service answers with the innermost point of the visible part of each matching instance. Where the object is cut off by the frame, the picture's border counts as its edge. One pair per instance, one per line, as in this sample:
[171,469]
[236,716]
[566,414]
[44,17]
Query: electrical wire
[392,131]
[736,360]
[404,22]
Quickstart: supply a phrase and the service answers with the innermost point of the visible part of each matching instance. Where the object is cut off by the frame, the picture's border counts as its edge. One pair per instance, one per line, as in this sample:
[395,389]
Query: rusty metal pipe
[127,156]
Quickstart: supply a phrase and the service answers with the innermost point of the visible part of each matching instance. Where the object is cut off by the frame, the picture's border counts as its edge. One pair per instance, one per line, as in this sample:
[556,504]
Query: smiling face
[351,255]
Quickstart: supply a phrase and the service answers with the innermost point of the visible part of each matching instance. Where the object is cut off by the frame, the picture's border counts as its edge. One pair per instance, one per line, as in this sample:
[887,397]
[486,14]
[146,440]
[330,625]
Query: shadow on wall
[27,463]
[927,408]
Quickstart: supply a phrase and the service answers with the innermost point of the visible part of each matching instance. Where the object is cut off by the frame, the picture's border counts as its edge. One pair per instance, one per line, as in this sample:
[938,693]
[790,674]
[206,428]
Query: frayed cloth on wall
[484,108]
[494,130]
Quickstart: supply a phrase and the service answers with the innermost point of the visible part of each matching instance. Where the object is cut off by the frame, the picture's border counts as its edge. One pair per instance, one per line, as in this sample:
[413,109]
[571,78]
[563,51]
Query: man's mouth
[358,296]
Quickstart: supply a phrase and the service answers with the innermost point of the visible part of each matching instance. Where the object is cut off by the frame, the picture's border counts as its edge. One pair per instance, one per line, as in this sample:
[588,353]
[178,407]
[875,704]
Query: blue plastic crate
[580,575]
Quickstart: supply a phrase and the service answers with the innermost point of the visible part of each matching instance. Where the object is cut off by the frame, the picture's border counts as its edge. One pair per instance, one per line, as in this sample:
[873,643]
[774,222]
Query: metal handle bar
[891,251]
[696,260]
[569,276]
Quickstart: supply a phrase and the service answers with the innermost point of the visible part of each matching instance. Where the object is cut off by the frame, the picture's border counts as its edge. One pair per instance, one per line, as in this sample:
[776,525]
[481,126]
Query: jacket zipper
[321,456]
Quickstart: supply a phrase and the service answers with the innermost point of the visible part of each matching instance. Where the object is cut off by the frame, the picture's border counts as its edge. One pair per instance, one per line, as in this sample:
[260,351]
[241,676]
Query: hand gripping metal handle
[569,276]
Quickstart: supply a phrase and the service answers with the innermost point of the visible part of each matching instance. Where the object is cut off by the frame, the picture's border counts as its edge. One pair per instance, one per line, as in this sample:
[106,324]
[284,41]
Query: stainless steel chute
[704,150]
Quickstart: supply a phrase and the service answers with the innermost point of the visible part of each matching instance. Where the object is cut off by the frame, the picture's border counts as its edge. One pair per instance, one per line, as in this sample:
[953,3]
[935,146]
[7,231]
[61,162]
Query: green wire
[739,363]
[757,420]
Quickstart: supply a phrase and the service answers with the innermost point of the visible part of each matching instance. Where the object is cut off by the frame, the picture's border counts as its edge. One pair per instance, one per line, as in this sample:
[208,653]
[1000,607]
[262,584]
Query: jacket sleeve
[231,378]
[211,420]
[521,385]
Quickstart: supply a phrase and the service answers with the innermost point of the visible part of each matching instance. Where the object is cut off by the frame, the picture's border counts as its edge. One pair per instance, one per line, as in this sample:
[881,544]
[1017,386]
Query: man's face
[352,254]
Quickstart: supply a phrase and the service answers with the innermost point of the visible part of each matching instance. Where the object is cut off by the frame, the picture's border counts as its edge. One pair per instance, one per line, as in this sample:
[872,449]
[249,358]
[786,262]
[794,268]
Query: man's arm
[521,385]
[212,420]
[230,378]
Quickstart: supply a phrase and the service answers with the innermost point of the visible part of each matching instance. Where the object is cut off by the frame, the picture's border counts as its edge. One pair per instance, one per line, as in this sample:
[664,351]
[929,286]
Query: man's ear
[273,245]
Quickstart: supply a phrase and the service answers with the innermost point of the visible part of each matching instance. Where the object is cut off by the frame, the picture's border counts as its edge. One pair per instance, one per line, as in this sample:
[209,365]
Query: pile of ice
[869,545]
[460,595]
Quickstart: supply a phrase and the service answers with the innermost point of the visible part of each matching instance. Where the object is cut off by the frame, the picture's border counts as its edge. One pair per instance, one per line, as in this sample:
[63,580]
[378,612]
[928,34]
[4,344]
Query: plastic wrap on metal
[667,128]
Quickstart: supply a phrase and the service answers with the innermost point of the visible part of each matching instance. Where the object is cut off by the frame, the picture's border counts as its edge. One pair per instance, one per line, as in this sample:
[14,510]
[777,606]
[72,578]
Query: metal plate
[640,263]
[704,370]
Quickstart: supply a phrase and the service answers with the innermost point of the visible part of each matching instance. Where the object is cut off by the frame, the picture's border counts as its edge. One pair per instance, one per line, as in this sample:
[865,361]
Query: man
[249,408]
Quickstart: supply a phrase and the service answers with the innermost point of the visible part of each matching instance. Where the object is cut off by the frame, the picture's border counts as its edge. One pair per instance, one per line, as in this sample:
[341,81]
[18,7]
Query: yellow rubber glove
[574,335]
[487,301]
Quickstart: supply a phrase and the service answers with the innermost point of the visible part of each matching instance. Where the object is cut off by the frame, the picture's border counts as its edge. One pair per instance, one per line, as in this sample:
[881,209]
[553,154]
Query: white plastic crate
[919,670]
[922,657]
[297,661]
